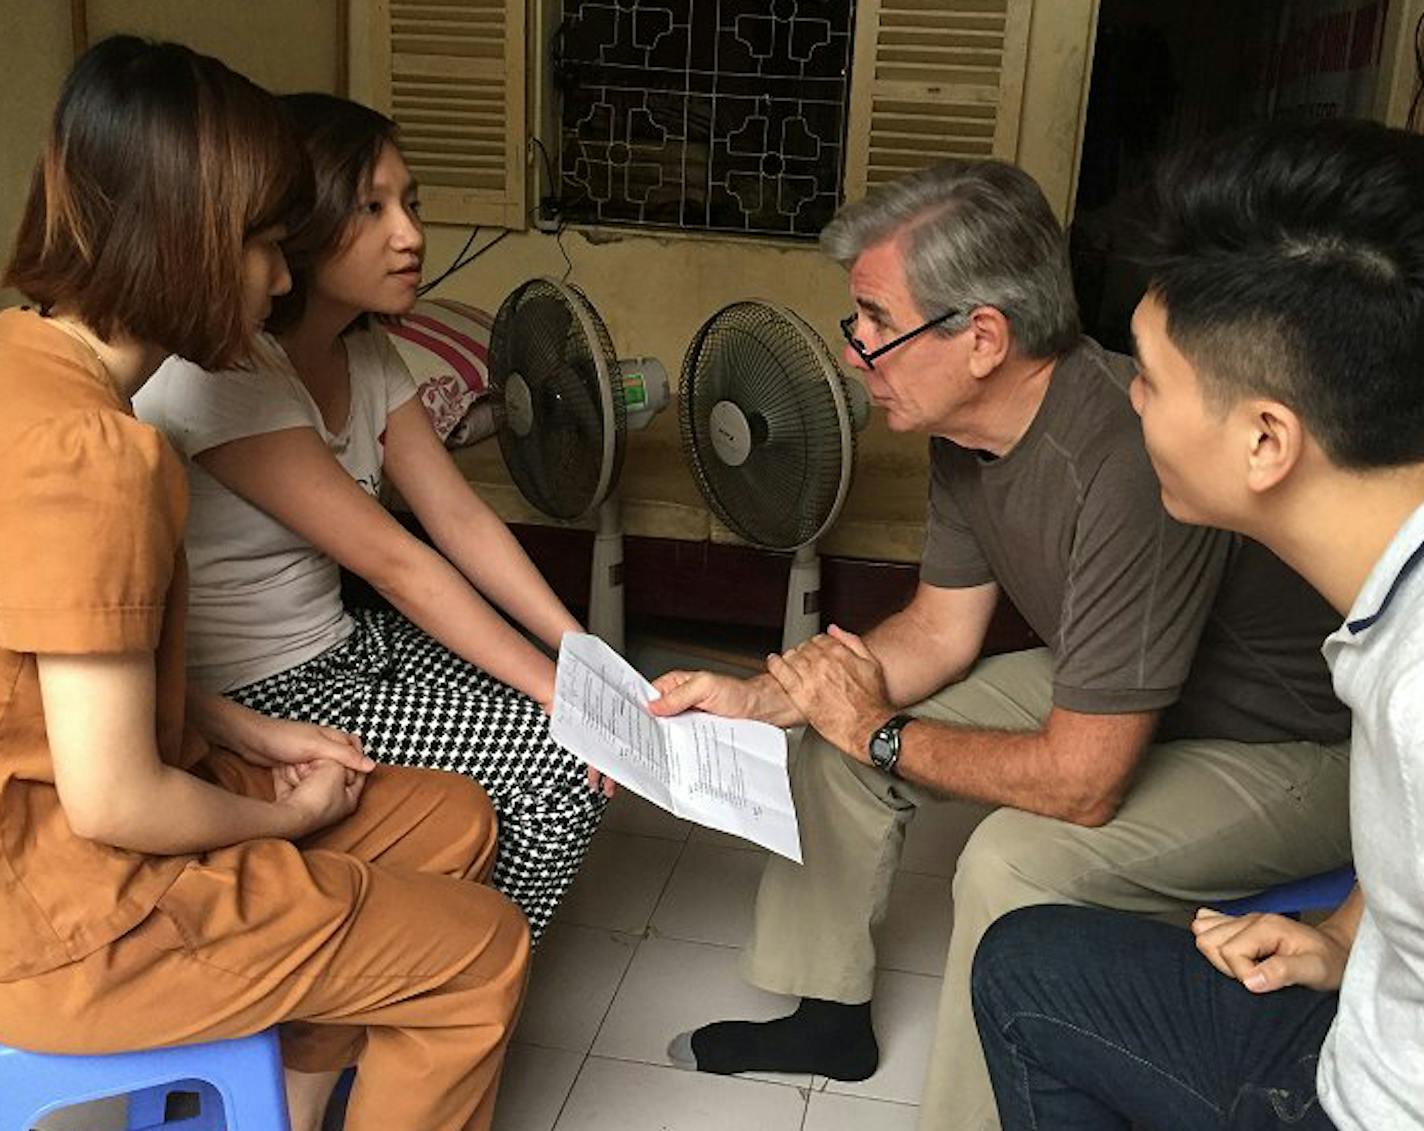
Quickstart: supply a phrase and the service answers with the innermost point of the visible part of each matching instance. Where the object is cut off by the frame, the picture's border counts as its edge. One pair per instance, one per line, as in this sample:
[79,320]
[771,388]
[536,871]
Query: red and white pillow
[445,345]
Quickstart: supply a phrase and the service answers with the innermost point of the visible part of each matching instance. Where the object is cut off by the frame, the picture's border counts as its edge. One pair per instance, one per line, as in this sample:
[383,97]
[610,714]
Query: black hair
[1289,257]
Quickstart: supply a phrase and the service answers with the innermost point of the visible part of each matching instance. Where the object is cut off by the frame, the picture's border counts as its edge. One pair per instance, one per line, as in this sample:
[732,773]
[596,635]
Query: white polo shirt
[1371,1073]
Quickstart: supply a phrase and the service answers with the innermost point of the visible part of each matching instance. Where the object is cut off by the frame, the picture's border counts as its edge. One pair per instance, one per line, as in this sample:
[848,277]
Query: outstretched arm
[933,641]
[466,529]
[329,510]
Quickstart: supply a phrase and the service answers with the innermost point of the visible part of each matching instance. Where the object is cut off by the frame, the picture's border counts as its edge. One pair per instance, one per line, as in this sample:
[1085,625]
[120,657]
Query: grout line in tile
[674,1068]
[558,1115]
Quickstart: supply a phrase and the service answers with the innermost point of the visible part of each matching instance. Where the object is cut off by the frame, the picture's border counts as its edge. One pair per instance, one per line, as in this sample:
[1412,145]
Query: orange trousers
[372,942]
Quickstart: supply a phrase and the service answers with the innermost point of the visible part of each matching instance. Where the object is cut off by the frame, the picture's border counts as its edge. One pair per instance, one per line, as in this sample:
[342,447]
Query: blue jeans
[1097,1019]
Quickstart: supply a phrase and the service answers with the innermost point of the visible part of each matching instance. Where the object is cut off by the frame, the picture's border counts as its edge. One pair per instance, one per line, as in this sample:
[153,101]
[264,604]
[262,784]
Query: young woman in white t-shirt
[285,462]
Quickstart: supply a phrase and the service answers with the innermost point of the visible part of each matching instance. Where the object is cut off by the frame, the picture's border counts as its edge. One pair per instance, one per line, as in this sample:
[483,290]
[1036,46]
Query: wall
[34,55]
[653,291]
[282,45]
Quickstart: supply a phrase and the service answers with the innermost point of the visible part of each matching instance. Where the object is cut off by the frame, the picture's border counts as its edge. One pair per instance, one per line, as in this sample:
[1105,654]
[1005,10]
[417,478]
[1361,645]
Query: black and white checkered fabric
[413,702]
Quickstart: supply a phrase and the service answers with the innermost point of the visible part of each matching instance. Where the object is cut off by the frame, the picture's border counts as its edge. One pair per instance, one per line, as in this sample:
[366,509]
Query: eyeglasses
[869,356]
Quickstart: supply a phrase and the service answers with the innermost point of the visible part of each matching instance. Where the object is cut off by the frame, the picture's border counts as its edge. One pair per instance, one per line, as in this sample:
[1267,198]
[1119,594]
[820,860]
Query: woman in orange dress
[157,889]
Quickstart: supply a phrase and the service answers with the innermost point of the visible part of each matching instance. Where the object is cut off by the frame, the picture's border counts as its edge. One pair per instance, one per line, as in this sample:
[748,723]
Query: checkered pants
[413,702]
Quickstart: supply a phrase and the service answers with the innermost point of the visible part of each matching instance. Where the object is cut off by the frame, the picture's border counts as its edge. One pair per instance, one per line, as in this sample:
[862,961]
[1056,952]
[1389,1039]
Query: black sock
[824,1037]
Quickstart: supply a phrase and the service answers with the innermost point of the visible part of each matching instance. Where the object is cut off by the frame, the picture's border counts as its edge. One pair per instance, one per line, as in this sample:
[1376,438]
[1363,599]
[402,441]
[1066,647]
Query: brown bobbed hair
[160,164]
[343,141]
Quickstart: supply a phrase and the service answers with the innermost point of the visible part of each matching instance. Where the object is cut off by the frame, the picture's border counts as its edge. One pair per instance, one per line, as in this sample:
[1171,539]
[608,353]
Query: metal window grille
[720,115]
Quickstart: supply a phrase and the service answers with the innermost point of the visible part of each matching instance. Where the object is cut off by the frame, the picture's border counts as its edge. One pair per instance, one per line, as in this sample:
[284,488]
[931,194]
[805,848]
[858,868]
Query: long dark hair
[343,140]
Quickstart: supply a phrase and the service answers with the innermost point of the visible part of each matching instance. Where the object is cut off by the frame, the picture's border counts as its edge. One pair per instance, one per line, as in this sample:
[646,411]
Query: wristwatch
[885,743]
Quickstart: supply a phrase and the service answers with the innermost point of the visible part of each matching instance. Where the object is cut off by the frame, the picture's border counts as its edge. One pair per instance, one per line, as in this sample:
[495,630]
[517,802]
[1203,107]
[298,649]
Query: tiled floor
[647,945]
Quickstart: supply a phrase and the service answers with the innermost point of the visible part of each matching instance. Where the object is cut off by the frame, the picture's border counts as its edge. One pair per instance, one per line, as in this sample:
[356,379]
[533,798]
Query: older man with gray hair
[1176,740]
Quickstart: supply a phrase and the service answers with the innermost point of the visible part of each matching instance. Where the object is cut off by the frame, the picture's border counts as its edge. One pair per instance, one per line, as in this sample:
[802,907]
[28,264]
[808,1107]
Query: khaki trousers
[373,943]
[1205,819]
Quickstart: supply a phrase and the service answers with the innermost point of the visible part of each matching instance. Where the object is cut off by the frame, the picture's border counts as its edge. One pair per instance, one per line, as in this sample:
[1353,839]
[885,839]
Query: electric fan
[769,425]
[564,402]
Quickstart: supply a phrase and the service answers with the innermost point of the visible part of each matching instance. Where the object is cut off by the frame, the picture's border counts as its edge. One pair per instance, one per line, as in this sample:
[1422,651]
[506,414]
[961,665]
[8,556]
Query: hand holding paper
[728,774]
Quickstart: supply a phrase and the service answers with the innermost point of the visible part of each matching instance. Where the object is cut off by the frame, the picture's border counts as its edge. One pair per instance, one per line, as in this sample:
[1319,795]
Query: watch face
[883,747]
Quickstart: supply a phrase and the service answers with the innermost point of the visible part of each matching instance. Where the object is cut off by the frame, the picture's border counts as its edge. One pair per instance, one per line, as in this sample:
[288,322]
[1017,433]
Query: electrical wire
[1411,120]
[558,232]
[468,241]
[463,261]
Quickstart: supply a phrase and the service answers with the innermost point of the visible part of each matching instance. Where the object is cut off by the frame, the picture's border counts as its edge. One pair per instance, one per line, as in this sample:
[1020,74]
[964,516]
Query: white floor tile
[711,895]
[613,1095]
[905,1008]
[576,972]
[915,934]
[937,834]
[629,813]
[716,838]
[620,882]
[532,1090]
[674,986]
[830,1112]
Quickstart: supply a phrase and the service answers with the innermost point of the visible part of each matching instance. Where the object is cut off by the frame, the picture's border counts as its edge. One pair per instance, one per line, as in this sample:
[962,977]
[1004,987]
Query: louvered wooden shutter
[932,79]
[451,73]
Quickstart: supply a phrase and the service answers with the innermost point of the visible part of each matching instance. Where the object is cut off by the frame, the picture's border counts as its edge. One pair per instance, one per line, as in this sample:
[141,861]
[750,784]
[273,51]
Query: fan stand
[605,595]
[803,598]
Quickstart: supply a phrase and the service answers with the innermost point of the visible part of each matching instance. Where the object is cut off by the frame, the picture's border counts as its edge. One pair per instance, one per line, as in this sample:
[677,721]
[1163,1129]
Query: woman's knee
[457,813]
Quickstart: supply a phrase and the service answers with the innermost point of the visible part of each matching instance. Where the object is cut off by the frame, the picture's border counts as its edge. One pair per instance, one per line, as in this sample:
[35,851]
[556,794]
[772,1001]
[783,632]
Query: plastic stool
[1325,891]
[238,1084]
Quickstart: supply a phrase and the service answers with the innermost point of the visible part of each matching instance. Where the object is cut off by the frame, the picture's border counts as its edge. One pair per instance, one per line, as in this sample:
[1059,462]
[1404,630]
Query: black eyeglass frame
[869,356]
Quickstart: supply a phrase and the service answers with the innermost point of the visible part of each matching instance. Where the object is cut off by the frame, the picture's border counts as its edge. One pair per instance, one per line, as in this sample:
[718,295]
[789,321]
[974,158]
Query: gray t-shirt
[1140,612]
[262,599]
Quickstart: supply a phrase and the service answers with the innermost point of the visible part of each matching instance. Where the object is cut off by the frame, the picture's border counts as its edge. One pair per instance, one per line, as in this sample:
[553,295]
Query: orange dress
[368,940]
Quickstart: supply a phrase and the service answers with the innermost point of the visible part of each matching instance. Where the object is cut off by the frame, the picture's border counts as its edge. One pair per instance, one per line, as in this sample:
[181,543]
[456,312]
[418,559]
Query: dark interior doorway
[1169,71]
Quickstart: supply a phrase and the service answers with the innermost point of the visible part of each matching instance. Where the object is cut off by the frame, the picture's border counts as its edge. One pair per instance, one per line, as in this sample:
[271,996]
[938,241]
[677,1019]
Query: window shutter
[451,73]
[933,79]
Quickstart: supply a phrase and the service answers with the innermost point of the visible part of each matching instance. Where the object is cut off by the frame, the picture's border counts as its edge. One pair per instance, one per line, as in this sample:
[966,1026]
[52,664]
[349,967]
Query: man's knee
[1014,859]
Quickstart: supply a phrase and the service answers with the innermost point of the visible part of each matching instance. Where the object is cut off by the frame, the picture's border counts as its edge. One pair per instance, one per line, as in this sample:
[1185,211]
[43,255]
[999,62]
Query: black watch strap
[885,743]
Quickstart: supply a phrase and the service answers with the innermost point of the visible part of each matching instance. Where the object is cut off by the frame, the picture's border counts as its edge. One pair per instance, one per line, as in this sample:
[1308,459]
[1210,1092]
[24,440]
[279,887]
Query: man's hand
[1269,952]
[838,685]
[321,793]
[759,698]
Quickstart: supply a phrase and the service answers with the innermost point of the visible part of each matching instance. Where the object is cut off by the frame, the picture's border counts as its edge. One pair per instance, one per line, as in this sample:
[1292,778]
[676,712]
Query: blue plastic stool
[1325,891]
[238,1084]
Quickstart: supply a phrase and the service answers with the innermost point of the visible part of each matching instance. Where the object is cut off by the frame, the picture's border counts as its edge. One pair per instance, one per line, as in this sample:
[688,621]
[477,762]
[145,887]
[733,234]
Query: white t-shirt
[263,599]
[1371,1075]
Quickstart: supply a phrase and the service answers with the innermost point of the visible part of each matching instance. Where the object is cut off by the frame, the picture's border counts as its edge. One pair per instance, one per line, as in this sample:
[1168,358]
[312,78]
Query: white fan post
[803,598]
[605,597]
[645,394]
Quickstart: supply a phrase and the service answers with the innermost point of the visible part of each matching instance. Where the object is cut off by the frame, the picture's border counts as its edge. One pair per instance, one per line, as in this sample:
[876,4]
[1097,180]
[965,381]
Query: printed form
[727,774]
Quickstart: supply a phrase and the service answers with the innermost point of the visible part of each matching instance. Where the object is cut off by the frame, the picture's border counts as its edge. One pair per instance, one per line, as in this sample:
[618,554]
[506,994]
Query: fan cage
[772,364]
[586,345]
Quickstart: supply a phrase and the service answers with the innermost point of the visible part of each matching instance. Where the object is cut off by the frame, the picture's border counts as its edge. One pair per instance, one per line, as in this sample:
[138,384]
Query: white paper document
[728,774]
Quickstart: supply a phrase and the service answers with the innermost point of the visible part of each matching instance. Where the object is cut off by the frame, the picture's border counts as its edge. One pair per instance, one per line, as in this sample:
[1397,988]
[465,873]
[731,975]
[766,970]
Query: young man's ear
[992,339]
[1276,439]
